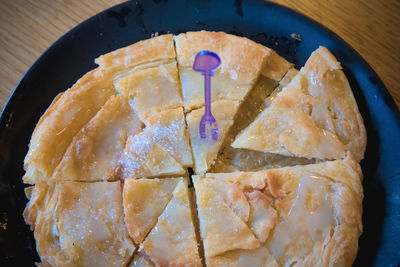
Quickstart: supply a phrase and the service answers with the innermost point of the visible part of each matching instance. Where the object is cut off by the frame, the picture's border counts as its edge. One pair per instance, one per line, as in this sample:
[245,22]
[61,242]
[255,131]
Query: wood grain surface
[28,27]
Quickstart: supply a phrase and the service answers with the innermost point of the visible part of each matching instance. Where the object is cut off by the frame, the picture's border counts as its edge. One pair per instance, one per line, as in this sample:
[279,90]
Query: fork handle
[207,91]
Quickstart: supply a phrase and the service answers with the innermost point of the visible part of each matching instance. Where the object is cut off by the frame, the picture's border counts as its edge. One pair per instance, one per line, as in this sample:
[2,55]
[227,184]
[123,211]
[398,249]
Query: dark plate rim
[387,97]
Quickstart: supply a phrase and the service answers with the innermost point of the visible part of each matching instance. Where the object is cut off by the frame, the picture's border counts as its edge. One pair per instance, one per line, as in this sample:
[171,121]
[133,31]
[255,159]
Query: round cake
[119,176]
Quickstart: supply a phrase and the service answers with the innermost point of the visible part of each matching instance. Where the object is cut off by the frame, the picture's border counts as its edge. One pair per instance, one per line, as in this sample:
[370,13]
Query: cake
[118,175]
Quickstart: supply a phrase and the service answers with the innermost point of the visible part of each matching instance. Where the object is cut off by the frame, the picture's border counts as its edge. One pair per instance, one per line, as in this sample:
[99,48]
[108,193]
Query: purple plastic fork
[206,62]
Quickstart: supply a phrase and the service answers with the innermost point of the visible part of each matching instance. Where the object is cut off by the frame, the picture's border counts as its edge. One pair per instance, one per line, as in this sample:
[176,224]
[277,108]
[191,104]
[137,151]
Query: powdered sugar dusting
[136,153]
[168,136]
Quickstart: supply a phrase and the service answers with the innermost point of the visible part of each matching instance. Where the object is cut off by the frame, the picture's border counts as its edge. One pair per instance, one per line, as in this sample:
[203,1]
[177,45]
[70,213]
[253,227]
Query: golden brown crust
[143,157]
[160,48]
[63,119]
[151,90]
[144,201]
[337,111]
[286,127]
[315,115]
[320,61]
[94,152]
[39,196]
[241,58]
[221,228]
[290,74]
[275,66]
[169,130]
[309,215]
[173,241]
[262,214]
[241,63]
[316,214]
[205,150]
[244,180]
[243,258]
[341,249]
[81,224]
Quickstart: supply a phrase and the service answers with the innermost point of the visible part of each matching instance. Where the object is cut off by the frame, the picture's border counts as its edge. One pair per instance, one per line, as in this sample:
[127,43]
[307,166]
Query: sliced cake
[143,157]
[94,152]
[168,129]
[62,121]
[173,241]
[305,215]
[151,90]
[72,109]
[242,61]
[314,116]
[144,201]
[205,150]
[79,224]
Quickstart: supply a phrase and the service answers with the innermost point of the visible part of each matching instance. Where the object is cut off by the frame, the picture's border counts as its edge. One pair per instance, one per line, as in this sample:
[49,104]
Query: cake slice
[143,157]
[168,129]
[309,215]
[173,241]
[153,51]
[236,159]
[151,90]
[94,152]
[79,224]
[336,110]
[314,116]
[144,201]
[221,228]
[63,119]
[205,150]
[72,109]
[242,61]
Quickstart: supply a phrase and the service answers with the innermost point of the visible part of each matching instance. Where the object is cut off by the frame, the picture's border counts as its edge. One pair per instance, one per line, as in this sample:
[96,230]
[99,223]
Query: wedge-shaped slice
[153,50]
[68,113]
[286,127]
[173,240]
[316,206]
[169,130]
[143,157]
[151,90]
[315,116]
[336,109]
[82,224]
[205,150]
[71,110]
[144,201]
[241,63]
[94,152]
[221,228]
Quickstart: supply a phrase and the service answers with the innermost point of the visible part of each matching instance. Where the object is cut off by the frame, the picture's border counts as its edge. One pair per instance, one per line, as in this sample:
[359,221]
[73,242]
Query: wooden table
[28,27]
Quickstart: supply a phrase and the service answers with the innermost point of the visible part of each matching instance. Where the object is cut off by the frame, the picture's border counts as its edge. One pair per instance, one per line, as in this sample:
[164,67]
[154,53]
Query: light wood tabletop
[28,27]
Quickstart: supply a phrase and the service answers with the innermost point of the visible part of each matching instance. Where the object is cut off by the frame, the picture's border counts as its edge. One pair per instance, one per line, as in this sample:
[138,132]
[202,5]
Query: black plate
[270,24]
